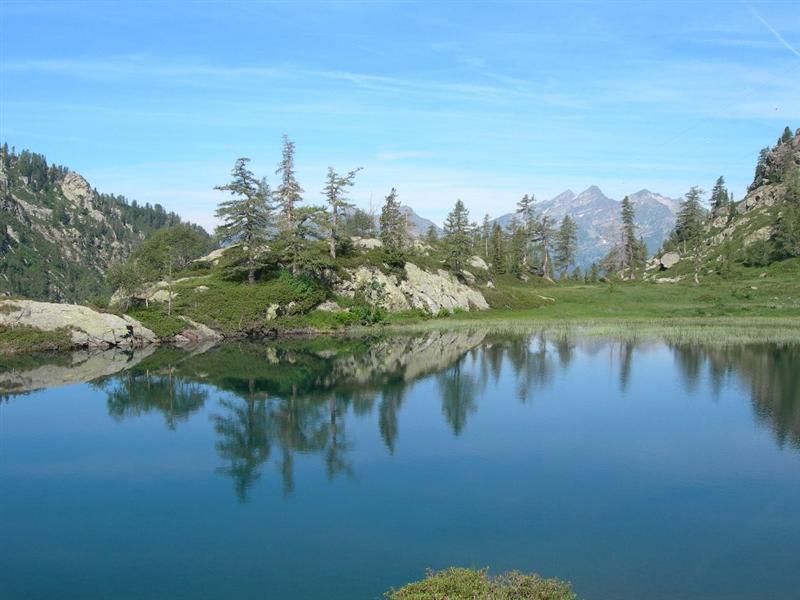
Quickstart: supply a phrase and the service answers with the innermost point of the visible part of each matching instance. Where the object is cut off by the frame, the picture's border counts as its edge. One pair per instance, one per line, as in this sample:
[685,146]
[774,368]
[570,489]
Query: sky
[440,99]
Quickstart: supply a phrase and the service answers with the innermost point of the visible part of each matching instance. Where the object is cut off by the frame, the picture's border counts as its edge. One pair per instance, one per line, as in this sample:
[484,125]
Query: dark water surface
[337,468]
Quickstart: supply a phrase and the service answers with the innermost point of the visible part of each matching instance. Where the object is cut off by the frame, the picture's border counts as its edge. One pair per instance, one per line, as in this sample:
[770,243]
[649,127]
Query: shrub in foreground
[469,584]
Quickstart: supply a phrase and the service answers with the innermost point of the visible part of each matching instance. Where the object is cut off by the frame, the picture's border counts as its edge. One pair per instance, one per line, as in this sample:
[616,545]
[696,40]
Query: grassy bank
[20,340]
[759,305]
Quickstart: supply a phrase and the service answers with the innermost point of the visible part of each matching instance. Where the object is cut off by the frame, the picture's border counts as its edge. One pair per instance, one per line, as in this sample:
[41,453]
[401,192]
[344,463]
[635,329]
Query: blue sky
[482,101]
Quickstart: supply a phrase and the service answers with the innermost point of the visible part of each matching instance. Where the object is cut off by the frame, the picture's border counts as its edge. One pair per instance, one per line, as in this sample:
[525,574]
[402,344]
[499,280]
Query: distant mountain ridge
[598,219]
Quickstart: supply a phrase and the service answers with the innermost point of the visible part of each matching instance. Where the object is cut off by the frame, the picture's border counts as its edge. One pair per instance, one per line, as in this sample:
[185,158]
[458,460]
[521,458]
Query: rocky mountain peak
[75,188]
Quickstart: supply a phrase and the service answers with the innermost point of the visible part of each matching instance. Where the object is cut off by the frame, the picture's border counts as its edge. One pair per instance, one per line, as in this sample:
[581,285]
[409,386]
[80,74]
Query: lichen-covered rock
[439,291]
[213,257]
[759,235]
[669,260]
[196,333]
[329,306]
[432,292]
[367,243]
[476,262]
[88,327]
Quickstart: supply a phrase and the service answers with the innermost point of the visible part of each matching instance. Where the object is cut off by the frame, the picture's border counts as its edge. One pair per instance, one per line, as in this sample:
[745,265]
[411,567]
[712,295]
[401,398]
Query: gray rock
[476,262]
[88,328]
[329,306]
[367,243]
[669,260]
[432,292]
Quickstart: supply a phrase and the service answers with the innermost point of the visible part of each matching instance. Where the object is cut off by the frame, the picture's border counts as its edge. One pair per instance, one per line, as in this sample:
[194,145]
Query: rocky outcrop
[669,260]
[476,262]
[439,291]
[196,333]
[213,257]
[432,292]
[158,291]
[88,328]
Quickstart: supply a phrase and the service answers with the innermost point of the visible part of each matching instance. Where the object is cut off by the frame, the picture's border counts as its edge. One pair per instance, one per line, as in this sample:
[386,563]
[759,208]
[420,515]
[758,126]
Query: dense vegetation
[469,584]
[55,246]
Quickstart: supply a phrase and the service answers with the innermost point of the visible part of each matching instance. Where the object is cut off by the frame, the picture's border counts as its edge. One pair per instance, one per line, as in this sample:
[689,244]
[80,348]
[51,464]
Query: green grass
[236,307]
[156,319]
[469,584]
[17,340]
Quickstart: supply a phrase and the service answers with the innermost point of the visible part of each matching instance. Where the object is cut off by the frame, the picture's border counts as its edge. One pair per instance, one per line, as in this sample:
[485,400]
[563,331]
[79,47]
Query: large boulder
[669,260]
[366,243]
[476,262]
[88,328]
[432,292]
[439,291]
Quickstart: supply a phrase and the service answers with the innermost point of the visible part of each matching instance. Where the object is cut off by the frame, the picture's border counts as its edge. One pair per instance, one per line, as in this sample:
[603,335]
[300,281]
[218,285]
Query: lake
[336,468]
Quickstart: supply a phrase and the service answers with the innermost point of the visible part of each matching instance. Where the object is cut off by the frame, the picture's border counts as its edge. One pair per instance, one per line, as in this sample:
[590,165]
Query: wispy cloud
[775,33]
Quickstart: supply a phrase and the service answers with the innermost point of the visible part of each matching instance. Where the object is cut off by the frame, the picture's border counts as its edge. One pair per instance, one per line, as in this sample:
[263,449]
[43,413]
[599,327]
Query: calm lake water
[337,468]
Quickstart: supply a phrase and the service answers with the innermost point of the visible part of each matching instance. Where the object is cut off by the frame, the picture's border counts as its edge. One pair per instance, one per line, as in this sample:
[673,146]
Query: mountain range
[597,217]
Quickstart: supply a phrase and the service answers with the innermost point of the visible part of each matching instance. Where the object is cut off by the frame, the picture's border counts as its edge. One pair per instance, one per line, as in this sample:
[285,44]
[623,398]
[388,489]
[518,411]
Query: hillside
[58,235]
[598,219]
[761,229]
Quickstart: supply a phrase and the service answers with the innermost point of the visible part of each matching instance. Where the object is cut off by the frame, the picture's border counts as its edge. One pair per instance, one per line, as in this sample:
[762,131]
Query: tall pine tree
[630,244]
[246,218]
[457,237]
[287,196]
[335,192]
[393,227]
[566,244]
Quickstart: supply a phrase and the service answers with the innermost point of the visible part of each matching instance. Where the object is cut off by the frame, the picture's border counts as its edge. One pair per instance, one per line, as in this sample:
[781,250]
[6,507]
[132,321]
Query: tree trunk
[333,232]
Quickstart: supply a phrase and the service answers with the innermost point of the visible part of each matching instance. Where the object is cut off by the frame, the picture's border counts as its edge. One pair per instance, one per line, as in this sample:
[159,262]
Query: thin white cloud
[775,33]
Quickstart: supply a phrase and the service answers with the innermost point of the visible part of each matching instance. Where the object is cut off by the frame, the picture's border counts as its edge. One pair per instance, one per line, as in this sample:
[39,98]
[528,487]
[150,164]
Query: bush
[468,584]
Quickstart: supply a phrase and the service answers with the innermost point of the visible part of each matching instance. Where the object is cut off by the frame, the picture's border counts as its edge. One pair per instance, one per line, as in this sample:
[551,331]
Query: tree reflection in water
[293,397]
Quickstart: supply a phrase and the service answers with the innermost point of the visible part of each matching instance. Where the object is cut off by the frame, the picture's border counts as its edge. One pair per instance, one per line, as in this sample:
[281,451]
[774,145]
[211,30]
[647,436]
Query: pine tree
[689,227]
[787,135]
[719,194]
[566,244]
[630,244]
[486,232]
[526,214]
[457,240]
[335,192]
[593,274]
[393,227]
[497,250]
[288,195]
[247,217]
[787,237]
[518,248]
[431,236]
[544,234]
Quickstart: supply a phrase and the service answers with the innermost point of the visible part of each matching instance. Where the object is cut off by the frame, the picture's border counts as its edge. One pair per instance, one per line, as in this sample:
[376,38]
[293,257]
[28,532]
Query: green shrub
[156,319]
[468,584]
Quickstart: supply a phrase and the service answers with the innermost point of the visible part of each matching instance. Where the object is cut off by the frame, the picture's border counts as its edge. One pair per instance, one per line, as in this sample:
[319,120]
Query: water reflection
[280,400]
